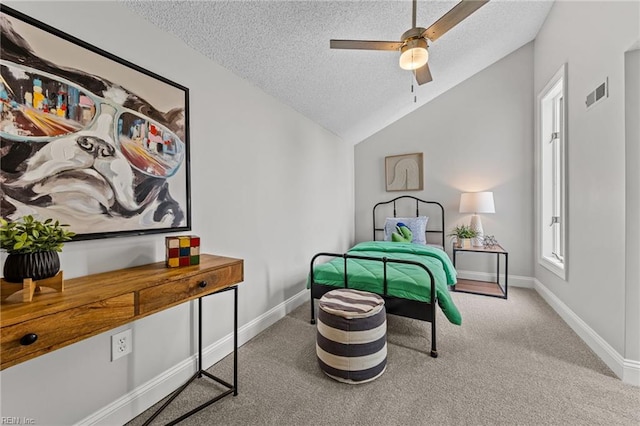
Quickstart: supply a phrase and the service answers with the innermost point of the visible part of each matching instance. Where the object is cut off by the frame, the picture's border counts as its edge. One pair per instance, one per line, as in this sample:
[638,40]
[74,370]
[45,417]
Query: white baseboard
[627,370]
[631,372]
[140,399]
[514,280]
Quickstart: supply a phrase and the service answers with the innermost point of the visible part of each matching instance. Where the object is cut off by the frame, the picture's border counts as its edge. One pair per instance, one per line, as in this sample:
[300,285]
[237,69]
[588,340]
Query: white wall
[632,243]
[592,37]
[268,186]
[477,136]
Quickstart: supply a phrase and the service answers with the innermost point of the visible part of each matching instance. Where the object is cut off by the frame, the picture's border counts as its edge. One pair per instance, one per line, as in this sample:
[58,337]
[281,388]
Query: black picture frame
[88,138]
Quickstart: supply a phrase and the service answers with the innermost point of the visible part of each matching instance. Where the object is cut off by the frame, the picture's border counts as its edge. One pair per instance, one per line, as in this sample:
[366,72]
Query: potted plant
[463,234]
[33,247]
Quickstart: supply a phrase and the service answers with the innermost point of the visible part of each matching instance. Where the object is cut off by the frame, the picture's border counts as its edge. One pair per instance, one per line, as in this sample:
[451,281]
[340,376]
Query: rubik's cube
[182,251]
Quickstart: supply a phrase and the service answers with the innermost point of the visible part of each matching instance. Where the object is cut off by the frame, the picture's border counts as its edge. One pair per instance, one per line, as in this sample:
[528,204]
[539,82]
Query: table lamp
[477,202]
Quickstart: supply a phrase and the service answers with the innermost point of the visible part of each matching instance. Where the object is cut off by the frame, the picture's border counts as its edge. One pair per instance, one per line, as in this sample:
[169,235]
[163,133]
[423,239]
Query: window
[552,183]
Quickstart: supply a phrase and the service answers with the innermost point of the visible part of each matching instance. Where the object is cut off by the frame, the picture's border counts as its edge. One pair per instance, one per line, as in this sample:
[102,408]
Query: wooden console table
[96,303]
[93,304]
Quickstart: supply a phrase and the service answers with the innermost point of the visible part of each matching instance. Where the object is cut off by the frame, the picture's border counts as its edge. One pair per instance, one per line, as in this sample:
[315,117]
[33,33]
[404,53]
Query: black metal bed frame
[424,311]
[418,201]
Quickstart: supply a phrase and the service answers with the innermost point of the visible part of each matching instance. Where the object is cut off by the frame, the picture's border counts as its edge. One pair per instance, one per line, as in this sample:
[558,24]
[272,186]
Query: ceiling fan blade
[452,18]
[423,74]
[365,44]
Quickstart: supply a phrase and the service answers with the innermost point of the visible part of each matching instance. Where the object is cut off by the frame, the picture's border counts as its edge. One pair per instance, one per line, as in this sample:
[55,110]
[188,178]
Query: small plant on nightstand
[463,235]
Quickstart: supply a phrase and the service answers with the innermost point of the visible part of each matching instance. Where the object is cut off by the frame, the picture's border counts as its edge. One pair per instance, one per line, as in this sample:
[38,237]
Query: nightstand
[485,288]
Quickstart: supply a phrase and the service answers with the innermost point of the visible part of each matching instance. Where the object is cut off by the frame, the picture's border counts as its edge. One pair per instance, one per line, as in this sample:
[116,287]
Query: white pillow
[417,225]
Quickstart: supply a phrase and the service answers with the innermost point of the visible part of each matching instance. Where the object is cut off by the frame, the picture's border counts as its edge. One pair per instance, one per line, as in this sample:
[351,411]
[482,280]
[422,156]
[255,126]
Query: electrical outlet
[121,344]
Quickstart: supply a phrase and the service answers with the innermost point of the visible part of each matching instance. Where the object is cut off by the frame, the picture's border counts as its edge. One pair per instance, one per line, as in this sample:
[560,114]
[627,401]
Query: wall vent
[601,92]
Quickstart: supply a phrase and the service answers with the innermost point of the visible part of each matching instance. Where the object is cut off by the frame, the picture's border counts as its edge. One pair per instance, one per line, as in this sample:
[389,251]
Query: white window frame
[551,171]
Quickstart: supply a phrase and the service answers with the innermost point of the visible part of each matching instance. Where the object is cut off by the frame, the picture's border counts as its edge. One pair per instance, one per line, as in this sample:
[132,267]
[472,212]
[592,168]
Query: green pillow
[402,235]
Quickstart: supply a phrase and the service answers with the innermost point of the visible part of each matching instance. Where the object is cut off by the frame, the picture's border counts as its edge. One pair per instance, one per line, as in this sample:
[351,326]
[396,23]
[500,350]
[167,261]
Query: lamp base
[476,225]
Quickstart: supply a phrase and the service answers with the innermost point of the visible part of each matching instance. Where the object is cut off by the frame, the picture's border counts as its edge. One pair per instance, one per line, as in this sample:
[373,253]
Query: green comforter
[403,281]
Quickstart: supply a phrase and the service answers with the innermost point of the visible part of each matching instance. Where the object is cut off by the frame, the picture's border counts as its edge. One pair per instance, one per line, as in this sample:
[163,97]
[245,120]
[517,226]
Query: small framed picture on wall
[404,172]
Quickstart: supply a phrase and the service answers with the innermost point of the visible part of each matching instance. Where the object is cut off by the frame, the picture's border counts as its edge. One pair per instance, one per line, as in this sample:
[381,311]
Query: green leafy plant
[463,231]
[28,235]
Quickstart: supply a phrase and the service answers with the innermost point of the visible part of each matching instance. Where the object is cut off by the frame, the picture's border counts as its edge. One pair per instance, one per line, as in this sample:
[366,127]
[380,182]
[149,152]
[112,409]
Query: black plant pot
[36,266]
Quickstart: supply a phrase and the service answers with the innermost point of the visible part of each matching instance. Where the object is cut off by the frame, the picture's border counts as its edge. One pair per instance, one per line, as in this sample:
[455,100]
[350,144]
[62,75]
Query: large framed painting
[88,138]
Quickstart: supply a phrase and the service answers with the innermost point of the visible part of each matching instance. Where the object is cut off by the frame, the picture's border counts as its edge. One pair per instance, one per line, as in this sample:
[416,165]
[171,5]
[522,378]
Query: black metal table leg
[231,388]
[506,274]
[235,341]
[200,336]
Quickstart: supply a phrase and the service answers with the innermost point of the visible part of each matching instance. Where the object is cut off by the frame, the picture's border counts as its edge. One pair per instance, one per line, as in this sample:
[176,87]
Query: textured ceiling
[283,48]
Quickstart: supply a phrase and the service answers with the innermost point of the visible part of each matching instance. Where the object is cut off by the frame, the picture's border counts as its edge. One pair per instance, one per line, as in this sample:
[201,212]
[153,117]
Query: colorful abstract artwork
[87,138]
[182,251]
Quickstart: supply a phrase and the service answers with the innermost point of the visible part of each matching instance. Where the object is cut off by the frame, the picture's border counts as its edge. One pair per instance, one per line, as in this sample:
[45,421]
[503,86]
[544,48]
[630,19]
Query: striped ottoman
[351,342]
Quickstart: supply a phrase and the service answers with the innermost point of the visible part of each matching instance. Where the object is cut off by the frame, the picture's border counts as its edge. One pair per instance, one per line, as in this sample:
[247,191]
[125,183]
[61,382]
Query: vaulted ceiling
[283,48]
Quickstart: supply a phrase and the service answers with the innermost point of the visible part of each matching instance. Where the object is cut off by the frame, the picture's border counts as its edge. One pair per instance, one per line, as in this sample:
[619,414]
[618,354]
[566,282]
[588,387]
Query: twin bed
[411,277]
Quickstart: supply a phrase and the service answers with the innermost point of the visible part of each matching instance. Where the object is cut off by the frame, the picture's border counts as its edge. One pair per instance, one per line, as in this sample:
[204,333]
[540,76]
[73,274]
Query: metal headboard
[418,205]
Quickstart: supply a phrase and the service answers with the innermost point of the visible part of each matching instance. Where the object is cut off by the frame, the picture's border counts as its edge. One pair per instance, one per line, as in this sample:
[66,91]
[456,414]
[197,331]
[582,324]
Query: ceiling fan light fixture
[414,54]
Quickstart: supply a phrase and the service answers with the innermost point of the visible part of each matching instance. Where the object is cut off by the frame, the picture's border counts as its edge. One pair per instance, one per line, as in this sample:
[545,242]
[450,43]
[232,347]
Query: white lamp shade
[477,202]
[414,54]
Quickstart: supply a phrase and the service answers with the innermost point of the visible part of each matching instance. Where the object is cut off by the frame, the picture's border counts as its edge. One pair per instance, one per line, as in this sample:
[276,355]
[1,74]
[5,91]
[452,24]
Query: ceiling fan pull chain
[415,98]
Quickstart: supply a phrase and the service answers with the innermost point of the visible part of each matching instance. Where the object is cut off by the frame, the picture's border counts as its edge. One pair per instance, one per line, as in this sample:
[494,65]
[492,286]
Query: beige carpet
[511,362]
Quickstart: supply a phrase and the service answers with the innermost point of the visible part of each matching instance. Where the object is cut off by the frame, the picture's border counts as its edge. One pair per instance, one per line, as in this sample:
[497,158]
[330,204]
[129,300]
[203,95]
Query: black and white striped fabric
[351,342]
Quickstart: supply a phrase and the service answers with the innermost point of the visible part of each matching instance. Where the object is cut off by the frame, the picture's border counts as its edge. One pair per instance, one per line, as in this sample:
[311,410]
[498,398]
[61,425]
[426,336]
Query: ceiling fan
[413,47]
